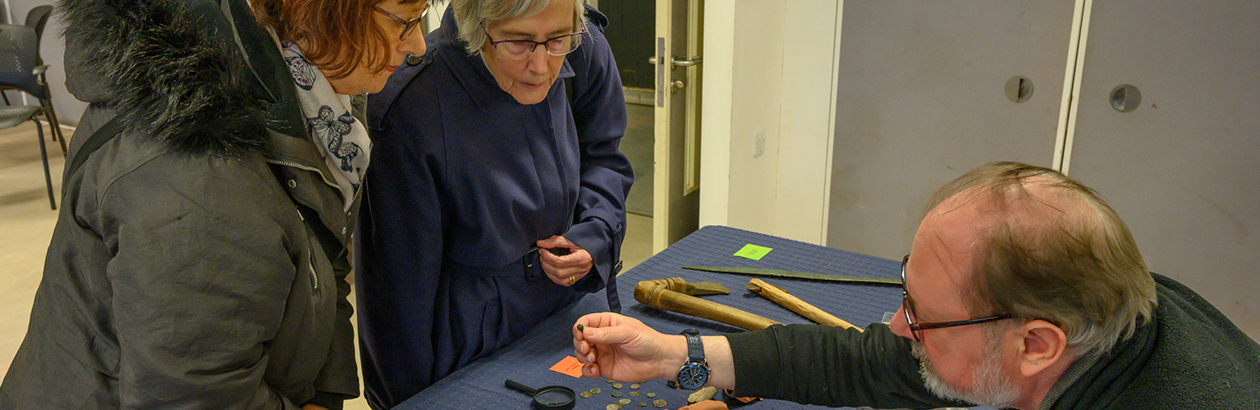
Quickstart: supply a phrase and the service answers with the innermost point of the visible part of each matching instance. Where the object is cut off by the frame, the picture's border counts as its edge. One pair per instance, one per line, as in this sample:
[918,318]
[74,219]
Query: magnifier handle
[518,387]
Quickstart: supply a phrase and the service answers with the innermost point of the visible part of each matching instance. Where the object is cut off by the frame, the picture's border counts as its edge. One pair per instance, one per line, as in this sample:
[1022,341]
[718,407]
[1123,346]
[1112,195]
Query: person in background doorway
[200,258]
[497,194]
[1023,289]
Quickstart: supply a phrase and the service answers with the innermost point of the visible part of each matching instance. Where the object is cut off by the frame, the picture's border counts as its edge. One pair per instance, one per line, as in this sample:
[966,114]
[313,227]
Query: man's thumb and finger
[613,335]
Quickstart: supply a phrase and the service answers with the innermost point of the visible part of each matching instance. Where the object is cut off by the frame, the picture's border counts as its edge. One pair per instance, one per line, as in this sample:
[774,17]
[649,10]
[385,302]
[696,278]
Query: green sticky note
[753,252]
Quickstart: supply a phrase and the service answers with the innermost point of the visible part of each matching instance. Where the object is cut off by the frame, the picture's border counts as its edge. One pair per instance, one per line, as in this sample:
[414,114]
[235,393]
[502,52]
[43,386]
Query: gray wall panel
[921,101]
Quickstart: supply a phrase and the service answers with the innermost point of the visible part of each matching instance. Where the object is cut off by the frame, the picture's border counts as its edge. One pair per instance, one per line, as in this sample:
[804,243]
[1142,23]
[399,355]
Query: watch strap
[695,347]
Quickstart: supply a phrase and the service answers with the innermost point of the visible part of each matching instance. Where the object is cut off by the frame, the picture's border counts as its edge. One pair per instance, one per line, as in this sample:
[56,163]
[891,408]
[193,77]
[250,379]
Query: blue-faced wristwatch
[695,372]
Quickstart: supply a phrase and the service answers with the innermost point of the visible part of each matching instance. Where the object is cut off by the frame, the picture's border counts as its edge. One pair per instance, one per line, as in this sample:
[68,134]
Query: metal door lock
[1019,89]
[1125,98]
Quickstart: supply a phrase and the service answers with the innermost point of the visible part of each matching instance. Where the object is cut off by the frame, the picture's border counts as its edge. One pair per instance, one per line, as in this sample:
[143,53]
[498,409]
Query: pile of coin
[621,402]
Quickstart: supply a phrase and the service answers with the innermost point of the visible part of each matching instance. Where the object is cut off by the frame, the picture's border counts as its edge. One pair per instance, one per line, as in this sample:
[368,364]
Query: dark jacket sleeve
[338,379]
[599,112]
[830,366]
[199,279]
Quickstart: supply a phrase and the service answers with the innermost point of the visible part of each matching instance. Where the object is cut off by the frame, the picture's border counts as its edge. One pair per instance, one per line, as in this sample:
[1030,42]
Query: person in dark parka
[494,200]
[200,257]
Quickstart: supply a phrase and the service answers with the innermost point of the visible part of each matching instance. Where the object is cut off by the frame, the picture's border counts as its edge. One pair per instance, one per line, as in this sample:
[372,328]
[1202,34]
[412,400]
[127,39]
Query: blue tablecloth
[480,384]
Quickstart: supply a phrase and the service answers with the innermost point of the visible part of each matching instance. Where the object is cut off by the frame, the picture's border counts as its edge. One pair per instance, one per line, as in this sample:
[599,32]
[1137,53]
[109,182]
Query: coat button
[343,230]
[292,184]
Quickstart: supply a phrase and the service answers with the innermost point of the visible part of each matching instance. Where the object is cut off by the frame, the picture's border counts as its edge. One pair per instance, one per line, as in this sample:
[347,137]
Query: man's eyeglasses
[521,49]
[916,329]
[407,25]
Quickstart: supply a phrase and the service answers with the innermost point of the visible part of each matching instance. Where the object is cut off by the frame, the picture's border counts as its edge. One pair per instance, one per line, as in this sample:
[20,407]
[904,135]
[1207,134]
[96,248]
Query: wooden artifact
[795,304]
[671,294]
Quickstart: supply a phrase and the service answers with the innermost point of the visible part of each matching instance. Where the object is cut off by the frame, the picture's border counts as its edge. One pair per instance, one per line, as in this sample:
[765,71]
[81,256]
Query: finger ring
[572,280]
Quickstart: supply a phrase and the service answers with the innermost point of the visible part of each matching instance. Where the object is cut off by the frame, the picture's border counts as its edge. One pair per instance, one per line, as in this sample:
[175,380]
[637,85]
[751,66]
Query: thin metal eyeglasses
[408,25]
[521,49]
[916,329]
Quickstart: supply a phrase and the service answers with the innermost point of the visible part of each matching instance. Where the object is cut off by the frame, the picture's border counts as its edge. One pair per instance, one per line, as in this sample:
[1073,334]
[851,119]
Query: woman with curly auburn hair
[200,258]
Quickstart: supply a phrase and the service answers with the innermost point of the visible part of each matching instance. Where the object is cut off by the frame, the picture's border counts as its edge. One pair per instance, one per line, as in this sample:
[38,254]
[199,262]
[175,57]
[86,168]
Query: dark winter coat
[199,258]
[464,181]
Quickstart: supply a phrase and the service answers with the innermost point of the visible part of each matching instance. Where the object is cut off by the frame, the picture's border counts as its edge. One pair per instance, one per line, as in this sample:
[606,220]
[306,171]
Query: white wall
[769,70]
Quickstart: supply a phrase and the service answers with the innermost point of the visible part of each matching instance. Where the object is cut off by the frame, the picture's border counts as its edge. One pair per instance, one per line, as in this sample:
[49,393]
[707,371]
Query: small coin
[651,395]
[624,402]
[595,391]
[634,387]
[642,404]
[634,394]
[659,403]
[610,381]
[613,406]
[616,385]
[585,394]
[615,394]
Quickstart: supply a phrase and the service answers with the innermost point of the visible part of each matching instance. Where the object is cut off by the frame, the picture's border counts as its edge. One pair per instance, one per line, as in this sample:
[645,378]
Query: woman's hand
[622,348]
[563,268]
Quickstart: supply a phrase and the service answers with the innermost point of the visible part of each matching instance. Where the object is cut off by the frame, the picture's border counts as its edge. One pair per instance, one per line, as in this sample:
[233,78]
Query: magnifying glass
[546,398]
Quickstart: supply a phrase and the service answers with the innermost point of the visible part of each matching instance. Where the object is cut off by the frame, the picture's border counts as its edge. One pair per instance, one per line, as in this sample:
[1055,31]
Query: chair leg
[46,103]
[52,131]
[44,152]
[54,125]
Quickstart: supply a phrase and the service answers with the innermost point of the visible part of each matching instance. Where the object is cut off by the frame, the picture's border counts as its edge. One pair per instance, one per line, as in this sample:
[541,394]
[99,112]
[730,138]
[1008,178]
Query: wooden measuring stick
[795,304]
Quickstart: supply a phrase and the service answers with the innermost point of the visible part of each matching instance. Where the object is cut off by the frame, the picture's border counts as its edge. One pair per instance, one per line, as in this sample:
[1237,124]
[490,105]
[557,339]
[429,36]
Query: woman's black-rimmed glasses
[916,329]
[408,25]
[521,49]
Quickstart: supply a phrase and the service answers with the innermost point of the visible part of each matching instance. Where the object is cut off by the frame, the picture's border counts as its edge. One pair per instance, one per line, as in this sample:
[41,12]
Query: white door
[676,202]
[1176,155]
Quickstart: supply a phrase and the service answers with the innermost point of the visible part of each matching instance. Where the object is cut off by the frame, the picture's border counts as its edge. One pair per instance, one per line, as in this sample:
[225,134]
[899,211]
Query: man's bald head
[1038,244]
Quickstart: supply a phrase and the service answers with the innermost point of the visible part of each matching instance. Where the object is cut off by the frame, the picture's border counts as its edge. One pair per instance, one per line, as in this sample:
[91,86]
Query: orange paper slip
[569,365]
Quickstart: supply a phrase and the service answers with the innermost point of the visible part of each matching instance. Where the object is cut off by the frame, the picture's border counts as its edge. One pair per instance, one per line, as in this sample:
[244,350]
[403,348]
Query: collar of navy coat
[469,70]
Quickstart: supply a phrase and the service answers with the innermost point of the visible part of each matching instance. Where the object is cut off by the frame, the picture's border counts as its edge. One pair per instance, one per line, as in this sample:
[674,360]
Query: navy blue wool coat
[464,180]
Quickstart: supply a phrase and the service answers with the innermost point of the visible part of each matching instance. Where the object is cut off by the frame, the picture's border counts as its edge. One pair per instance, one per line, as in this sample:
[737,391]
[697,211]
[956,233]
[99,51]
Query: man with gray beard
[991,387]
[1023,289]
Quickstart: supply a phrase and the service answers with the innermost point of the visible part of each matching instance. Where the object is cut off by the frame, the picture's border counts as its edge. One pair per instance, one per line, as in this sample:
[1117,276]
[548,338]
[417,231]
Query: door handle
[679,63]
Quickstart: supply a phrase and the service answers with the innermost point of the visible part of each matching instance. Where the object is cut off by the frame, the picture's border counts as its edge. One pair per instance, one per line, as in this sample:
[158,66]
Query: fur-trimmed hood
[174,70]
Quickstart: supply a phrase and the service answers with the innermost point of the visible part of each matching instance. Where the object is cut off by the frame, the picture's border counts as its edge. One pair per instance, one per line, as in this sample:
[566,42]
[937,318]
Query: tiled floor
[26,225]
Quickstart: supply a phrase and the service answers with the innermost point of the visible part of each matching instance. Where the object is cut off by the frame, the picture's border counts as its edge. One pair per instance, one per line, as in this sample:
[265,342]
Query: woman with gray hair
[497,193]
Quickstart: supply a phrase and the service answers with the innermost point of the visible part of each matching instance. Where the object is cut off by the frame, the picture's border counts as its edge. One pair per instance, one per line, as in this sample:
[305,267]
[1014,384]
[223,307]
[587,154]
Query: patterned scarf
[341,138]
